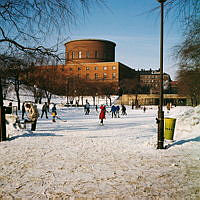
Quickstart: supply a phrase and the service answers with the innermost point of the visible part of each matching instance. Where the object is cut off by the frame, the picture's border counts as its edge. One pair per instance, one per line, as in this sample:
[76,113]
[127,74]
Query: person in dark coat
[132,105]
[123,110]
[117,111]
[44,110]
[102,114]
[113,110]
[96,108]
[87,108]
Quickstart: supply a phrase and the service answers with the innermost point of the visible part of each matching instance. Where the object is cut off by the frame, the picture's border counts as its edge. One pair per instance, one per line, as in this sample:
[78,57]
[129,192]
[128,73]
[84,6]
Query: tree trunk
[93,100]
[17,93]
[18,101]
[40,100]
[82,100]
[48,96]
[110,101]
[2,117]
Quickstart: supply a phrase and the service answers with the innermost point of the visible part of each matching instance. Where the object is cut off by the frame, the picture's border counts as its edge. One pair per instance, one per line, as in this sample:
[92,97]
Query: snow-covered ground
[79,159]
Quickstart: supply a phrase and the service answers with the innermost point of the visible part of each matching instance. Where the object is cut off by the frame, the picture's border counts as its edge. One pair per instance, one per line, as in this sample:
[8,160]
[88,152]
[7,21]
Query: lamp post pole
[160,141]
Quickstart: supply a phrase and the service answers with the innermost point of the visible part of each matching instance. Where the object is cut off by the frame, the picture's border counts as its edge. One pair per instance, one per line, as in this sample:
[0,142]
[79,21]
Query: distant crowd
[30,113]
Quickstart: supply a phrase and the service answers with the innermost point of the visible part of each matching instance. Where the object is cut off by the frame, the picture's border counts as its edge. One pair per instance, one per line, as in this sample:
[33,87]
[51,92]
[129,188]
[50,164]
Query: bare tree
[22,21]
[188,55]
[185,11]
[129,86]
[93,90]
[108,89]
[189,84]
[24,25]
[11,70]
[188,52]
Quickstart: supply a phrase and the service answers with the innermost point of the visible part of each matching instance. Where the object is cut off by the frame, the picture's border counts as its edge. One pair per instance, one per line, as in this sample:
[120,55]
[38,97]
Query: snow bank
[79,159]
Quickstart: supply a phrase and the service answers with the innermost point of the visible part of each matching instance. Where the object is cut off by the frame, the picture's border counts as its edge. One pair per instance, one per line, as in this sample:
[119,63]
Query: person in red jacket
[102,114]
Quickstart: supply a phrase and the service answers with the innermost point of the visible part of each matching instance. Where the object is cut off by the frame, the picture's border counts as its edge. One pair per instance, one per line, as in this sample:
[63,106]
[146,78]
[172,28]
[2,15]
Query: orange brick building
[93,60]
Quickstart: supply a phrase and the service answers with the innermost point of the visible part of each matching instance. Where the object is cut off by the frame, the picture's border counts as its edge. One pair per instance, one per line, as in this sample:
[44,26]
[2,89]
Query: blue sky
[135,29]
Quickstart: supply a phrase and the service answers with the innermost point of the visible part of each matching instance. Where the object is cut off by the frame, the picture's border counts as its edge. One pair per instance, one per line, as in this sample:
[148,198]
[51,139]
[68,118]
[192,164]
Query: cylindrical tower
[90,51]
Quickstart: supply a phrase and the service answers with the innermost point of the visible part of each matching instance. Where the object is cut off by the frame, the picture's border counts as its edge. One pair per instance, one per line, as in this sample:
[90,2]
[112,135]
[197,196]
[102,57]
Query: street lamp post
[160,120]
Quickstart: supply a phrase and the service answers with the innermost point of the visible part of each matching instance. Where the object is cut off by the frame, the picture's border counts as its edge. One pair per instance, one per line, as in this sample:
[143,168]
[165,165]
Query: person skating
[32,116]
[54,113]
[102,114]
[132,105]
[87,108]
[123,110]
[113,111]
[44,110]
[117,111]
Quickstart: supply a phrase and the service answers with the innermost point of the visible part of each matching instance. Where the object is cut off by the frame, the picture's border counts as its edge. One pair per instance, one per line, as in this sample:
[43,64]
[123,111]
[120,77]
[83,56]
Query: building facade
[91,61]
[90,51]
[151,79]
[94,60]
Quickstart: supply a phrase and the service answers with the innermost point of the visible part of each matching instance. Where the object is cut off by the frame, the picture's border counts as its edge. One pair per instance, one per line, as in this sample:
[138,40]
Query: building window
[104,68]
[96,76]
[114,76]
[95,68]
[96,54]
[87,54]
[79,54]
[87,68]
[79,69]
[113,67]
[87,76]
[104,76]
[73,54]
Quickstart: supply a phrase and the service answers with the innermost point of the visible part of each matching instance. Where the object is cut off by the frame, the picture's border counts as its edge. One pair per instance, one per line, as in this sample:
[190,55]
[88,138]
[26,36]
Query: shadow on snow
[32,134]
[180,142]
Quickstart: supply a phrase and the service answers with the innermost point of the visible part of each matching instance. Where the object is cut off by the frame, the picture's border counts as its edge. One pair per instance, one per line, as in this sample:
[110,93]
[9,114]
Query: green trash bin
[169,128]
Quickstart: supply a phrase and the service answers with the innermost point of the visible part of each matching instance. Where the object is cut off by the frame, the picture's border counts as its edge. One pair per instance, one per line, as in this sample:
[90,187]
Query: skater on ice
[54,113]
[44,110]
[102,114]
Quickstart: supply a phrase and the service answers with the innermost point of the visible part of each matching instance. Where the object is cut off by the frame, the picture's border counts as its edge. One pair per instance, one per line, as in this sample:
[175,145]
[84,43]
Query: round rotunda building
[90,51]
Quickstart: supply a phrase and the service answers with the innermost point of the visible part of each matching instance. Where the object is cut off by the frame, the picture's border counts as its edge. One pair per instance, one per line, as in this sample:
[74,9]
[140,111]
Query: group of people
[114,110]
[33,114]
